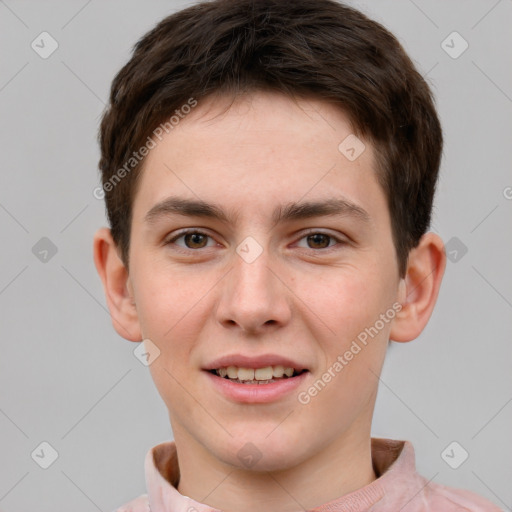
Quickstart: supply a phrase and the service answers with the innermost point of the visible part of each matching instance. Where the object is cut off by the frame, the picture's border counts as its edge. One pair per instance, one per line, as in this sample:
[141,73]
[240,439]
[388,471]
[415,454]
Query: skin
[304,298]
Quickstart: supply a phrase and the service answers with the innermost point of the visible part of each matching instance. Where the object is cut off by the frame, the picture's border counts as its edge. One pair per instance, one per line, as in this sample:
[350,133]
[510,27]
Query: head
[269,170]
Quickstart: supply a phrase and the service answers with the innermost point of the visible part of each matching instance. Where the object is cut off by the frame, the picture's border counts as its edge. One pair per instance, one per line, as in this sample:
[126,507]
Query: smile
[259,376]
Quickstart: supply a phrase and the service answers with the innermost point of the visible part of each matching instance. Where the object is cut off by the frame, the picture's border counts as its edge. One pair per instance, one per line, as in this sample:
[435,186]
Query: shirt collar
[392,460]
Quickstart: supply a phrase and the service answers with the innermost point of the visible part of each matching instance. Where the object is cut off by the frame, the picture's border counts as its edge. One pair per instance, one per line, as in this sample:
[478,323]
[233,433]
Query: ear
[117,286]
[420,288]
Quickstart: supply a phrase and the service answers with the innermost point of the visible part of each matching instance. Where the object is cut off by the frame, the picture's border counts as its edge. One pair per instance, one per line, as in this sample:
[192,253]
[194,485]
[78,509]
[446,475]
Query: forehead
[257,153]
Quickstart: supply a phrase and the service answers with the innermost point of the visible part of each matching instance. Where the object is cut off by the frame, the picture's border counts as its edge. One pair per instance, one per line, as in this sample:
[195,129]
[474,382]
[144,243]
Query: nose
[254,296]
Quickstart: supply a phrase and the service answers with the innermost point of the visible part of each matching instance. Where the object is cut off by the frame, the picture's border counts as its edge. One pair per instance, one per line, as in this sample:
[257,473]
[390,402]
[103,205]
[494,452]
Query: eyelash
[196,231]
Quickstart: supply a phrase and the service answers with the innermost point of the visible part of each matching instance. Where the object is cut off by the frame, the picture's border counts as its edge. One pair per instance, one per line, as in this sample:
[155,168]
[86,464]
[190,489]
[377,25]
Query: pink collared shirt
[398,487]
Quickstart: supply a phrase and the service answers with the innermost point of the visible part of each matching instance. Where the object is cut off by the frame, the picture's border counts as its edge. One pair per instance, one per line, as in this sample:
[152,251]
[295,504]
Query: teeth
[263,373]
[246,373]
[278,371]
[259,374]
[232,372]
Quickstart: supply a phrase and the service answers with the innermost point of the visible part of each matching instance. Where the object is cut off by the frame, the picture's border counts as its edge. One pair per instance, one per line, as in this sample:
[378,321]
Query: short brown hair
[315,48]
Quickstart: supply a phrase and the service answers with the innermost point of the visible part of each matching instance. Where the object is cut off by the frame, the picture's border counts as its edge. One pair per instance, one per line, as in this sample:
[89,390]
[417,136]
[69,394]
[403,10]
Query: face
[287,262]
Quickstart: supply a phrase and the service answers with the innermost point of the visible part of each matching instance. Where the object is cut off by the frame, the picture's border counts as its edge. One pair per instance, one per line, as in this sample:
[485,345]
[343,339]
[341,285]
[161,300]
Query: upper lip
[261,361]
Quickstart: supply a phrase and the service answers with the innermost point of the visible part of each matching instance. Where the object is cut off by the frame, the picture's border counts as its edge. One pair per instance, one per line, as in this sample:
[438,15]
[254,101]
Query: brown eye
[318,241]
[195,240]
[191,239]
[321,242]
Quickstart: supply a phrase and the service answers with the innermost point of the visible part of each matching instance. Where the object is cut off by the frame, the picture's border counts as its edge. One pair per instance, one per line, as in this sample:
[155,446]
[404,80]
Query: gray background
[68,379]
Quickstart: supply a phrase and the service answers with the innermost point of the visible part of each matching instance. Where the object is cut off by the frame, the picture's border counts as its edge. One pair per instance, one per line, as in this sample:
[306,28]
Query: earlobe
[117,286]
[419,290]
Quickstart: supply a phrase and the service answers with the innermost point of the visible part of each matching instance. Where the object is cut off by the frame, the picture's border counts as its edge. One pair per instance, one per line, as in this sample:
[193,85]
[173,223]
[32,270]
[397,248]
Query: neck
[341,467]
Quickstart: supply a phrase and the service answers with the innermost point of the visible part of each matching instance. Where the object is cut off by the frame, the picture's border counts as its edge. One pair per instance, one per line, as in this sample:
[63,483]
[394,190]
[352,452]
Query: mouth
[264,378]
[257,376]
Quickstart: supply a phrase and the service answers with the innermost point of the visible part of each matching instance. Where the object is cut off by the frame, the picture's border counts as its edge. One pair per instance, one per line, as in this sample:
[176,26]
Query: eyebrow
[288,212]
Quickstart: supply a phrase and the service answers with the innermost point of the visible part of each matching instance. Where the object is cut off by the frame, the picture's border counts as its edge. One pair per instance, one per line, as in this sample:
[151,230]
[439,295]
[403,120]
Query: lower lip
[256,393]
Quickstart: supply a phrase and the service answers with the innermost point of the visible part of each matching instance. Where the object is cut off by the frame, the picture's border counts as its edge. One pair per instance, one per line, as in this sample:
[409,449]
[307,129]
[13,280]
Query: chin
[259,453]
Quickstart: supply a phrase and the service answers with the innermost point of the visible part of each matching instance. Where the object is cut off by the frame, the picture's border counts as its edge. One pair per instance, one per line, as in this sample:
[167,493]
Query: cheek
[171,314]
[354,353]
[167,299]
[350,300]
